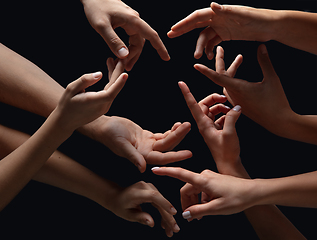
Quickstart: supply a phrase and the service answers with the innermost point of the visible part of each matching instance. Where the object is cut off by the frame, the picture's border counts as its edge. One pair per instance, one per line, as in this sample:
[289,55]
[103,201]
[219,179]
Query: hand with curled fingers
[220,194]
[107,15]
[127,139]
[220,135]
[224,23]
[264,102]
[83,107]
[126,204]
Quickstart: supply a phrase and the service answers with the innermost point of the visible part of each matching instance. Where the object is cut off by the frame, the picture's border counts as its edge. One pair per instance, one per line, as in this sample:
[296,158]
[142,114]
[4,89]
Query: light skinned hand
[141,147]
[225,23]
[264,102]
[126,204]
[220,136]
[220,194]
[107,15]
[78,107]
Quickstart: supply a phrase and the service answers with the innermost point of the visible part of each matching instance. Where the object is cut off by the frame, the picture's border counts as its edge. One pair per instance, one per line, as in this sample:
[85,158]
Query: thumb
[197,211]
[136,215]
[133,155]
[265,62]
[231,119]
[116,45]
[83,82]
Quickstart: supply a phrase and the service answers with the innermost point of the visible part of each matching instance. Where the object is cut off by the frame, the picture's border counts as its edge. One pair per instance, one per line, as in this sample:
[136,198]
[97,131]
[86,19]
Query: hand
[220,136]
[264,102]
[224,23]
[141,147]
[107,15]
[126,204]
[220,194]
[77,107]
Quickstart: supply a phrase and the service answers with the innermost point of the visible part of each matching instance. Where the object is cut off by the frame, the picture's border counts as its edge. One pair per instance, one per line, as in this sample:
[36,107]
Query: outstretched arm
[229,22]
[39,93]
[76,107]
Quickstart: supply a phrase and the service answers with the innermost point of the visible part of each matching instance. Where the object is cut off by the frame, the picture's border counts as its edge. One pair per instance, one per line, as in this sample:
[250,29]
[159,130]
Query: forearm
[62,172]
[296,191]
[267,220]
[297,29]
[37,92]
[301,128]
[18,168]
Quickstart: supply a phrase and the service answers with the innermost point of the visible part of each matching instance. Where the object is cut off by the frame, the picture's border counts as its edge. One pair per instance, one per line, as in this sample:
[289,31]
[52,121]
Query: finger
[82,83]
[172,138]
[197,19]
[204,37]
[210,46]
[219,108]
[117,69]
[191,102]
[189,195]
[136,215]
[110,65]
[112,89]
[136,43]
[200,210]
[179,173]
[220,79]
[220,63]
[160,158]
[116,45]
[211,100]
[220,122]
[232,70]
[129,152]
[154,197]
[231,119]
[265,62]
[148,33]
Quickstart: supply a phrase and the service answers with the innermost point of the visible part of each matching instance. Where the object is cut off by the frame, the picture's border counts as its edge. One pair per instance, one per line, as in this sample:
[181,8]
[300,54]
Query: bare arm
[230,22]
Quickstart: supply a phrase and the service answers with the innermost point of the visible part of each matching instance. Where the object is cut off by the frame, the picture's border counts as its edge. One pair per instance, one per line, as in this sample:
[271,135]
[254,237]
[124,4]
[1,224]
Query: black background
[57,37]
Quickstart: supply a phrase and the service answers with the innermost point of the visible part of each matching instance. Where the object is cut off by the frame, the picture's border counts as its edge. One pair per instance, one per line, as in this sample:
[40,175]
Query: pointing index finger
[179,173]
[197,19]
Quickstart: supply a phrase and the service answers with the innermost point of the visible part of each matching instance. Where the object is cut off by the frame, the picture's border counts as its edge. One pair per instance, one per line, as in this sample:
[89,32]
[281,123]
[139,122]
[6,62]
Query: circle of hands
[221,192]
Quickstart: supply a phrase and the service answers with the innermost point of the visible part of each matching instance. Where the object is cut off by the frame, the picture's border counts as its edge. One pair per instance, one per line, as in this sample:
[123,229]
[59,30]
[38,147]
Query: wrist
[92,129]
[234,168]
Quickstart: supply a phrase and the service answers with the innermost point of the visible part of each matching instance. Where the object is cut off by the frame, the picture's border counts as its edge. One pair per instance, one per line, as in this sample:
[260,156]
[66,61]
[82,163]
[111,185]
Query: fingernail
[237,108]
[153,168]
[176,228]
[186,215]
[97,75]
[173,210]
[224,96]
[216,5]
[123,52]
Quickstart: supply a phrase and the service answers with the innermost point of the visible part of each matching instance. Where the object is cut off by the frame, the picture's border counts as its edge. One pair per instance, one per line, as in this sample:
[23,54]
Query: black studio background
[57,37]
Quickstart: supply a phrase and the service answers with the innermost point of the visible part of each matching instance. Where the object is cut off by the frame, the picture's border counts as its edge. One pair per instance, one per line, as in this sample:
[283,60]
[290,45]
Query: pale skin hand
[220,194]
[220,136]
[107,15]
[141,147]
[225,23]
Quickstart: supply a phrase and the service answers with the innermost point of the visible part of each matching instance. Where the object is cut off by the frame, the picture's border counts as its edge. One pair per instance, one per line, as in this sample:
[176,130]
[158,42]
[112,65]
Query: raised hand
[107,15]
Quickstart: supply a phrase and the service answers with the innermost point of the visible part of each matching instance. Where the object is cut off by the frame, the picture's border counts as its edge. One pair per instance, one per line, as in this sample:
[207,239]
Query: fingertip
[237,108]
[123,53]
[97,75]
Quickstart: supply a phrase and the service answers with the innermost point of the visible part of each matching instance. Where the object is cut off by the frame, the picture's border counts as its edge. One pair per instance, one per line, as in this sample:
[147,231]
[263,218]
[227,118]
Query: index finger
[179,173]
[191,102]
[148,33]
[198,19]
